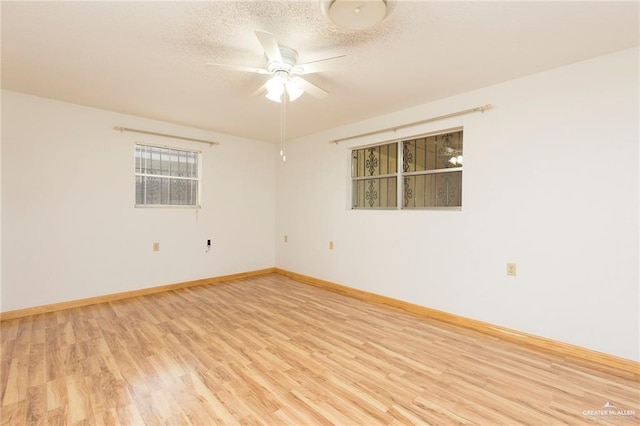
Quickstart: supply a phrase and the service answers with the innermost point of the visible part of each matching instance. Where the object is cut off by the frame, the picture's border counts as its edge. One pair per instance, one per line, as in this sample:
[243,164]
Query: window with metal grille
[374,175]
[422,172]
[166,176]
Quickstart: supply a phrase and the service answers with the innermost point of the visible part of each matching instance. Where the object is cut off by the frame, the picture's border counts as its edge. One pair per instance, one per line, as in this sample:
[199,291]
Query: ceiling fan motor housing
[289,60]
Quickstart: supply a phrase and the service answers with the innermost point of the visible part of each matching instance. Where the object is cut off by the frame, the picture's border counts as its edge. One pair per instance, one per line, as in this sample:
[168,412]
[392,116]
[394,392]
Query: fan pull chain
[283,128]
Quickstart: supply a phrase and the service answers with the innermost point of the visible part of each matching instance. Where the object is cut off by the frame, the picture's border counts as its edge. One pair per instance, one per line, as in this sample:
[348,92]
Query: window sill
[163,206]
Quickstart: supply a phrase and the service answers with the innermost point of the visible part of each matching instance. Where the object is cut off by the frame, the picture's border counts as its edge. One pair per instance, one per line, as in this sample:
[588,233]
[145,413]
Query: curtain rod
[127,129]
[481,109]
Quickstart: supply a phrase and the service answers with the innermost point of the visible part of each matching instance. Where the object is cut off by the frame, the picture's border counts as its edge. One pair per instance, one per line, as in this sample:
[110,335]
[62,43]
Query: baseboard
[613,364]
[18,313]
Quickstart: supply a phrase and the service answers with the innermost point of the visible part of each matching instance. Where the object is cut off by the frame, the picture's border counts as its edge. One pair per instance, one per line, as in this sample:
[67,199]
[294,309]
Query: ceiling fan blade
[270,46]
[260,90]
[240,68]
[311,89]
[315,66]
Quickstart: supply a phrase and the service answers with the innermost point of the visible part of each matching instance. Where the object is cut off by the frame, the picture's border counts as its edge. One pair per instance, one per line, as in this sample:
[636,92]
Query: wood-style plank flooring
[269,350]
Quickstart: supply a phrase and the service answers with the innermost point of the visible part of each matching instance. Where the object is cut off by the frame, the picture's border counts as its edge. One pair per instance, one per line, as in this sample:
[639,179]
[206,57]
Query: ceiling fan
[282,65]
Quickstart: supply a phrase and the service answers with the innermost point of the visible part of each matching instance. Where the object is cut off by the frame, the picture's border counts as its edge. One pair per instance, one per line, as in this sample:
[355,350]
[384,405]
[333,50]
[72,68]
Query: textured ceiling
[149,58]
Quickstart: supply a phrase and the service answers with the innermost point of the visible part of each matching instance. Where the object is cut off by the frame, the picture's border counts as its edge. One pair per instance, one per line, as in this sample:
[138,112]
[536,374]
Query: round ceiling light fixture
[356,14]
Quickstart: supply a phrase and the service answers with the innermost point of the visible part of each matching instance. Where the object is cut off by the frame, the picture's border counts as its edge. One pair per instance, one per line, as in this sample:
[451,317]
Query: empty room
[347,212]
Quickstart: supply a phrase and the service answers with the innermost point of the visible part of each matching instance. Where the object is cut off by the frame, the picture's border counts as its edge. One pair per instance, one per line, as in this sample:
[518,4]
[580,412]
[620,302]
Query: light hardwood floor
[269,350]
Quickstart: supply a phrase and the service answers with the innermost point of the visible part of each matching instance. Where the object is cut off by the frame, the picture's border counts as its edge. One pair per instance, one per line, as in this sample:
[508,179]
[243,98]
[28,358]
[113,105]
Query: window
[374,174]
[166,176]
[430,173]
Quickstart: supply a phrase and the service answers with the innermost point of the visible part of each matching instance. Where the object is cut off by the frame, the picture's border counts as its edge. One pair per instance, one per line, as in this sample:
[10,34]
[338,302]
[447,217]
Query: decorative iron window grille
[374,176]
[166,176]
[430,173]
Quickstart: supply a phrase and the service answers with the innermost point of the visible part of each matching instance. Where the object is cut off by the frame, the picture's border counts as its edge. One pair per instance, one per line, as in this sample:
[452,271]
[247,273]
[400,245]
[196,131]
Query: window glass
[166,176]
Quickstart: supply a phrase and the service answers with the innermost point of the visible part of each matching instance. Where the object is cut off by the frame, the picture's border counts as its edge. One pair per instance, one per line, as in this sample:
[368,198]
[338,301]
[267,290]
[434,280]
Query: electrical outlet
[208,243]
[156,246]
[286,239]
[511,269]
[330,245]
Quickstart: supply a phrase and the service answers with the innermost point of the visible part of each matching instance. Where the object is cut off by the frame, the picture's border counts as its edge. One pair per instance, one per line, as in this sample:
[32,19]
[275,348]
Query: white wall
[1,244]
[69,226]
[550,182]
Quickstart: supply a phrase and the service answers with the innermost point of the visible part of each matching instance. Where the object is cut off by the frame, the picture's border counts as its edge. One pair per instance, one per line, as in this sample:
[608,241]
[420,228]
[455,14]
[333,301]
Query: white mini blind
[166,176]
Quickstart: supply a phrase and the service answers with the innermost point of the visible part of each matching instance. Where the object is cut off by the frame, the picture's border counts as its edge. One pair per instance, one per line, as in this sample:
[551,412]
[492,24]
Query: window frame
[365,178]
[198,179]
[400,174]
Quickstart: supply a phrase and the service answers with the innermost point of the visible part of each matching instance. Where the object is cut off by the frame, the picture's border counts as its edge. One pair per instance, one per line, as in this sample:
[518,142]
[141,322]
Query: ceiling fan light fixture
[279,83]
[272,96]
[275,88]
[456,160]
[356,14]
[293,90]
